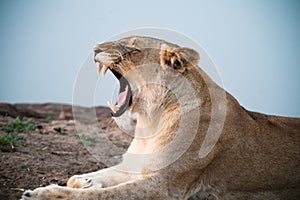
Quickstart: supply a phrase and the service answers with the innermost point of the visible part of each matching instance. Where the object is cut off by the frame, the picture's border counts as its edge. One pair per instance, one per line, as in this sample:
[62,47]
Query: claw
[26,195]
[88,183]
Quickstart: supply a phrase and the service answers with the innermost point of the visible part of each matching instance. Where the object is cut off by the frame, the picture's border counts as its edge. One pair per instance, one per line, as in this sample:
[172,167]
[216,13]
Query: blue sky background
[254,44]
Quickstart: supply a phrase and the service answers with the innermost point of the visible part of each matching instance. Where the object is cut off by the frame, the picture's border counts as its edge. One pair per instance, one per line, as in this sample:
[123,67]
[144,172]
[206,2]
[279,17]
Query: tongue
[122,97]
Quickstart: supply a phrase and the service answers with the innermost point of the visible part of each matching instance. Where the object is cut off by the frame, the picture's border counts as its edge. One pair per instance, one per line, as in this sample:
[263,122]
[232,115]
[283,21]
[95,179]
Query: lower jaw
[123,84]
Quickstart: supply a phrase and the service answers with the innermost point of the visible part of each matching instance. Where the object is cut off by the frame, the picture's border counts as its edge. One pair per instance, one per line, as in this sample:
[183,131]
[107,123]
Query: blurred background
[254,44]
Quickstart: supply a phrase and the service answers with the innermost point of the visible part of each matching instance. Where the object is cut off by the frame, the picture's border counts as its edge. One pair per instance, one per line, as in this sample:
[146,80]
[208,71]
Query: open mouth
[124,98]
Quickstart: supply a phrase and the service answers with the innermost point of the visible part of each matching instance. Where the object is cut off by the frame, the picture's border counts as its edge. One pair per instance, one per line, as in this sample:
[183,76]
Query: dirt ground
[54,151]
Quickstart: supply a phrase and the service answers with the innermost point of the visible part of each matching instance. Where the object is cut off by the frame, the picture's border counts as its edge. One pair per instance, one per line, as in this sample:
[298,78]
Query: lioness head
[144,67]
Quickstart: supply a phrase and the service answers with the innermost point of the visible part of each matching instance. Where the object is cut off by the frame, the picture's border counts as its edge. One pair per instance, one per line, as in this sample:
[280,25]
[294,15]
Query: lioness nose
[96,49]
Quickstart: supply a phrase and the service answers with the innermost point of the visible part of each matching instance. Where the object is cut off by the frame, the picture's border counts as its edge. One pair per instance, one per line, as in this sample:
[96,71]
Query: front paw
[50,192]
[37,194]
[79,182]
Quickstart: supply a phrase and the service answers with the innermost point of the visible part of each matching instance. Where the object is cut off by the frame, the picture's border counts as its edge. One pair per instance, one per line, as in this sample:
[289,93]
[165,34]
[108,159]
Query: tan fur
[256,156]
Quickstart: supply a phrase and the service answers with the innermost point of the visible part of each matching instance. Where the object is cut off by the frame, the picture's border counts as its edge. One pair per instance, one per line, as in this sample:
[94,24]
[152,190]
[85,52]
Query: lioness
[182,147]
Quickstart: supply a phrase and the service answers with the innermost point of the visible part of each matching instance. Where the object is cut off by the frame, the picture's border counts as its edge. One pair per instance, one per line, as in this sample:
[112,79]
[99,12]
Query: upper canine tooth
[105,68]
[98,67]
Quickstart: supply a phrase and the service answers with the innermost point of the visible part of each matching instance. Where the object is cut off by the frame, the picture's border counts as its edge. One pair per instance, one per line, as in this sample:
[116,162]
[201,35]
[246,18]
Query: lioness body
[254,157]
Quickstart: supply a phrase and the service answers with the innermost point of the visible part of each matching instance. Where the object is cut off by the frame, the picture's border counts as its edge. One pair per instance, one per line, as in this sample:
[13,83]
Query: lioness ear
[180,59]
[190,55]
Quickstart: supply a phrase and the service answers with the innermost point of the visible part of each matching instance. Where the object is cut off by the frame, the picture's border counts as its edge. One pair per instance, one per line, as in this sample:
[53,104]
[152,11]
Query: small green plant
[8,141]
[49,118]
[86,140]
[18,126]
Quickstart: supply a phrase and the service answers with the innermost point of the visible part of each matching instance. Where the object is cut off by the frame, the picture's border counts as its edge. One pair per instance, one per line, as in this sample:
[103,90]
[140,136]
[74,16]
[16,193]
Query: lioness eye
[176,64]
[168,62]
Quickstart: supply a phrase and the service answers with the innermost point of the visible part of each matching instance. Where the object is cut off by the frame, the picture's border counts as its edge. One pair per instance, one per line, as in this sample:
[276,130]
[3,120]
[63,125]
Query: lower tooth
[112,107]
